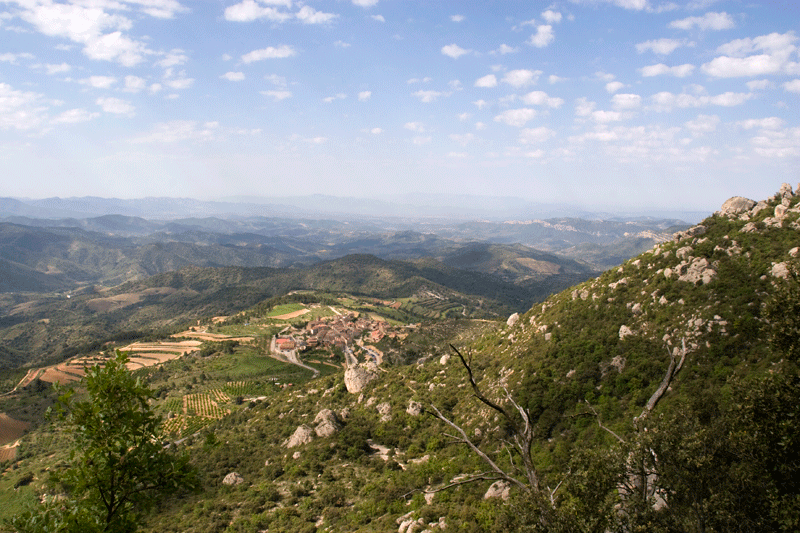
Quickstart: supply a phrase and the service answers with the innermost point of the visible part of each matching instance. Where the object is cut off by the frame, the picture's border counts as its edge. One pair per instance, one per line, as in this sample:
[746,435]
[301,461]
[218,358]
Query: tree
[118,464]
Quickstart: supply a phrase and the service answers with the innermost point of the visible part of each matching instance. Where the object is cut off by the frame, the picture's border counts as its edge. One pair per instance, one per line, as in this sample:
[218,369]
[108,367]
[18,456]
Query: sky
[602,103]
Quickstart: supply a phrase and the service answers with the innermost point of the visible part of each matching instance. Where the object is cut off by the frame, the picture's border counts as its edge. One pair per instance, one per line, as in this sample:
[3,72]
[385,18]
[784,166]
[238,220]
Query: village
[344,334]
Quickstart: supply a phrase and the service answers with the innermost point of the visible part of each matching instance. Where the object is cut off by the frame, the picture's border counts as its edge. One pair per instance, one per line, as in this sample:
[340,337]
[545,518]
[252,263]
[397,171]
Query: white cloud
[270,52]
[308,15]
[679,71]
[703,124]
[278,81]
[758,85]
[777,49]
[521,78]
[74,116]
[604,76]
[376,131]
[516,117]
[666,101]
[277,95]
[365,3]
[464,116]
[542,37]
[99,82]
[363,96]
[614,86]
[583,107]
[233,76]
[626,101]
[542,98]
[455,85]
[8,57]
[480,103]
[177,80]
[505,49]
[769,123]
[606,116]
[454,51]
[249,10]
[457,18]
[417,80]
[134,84]
[535,135]
[419,127]
[428,96]
[709,21]
[552,17]
[777,144]
[792,86]
[659,46]
[487,81]
[330,99]
[379,18]
[341,44]
[173,58]
[480,126]
[552,79]
[57,69]
[116,106]
[20,110]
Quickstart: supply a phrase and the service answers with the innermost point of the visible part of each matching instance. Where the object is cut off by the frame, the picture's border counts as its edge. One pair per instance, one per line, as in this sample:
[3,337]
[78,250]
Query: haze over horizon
[608,104]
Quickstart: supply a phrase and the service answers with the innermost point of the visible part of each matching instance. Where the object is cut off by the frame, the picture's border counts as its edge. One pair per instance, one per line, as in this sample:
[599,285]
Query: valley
[371,394]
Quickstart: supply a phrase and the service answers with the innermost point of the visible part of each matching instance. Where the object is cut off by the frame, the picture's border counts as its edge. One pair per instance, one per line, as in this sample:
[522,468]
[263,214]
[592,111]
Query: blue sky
[603,103]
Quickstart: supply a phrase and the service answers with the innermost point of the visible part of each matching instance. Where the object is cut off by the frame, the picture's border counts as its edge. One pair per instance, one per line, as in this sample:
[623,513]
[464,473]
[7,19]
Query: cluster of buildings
[340,332]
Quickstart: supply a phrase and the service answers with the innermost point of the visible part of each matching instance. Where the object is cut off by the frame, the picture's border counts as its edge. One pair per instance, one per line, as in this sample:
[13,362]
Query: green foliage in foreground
[118,464]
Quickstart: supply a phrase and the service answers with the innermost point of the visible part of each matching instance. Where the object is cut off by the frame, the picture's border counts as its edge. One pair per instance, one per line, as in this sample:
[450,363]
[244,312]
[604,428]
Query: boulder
[698,270]
[232,479]
[736,206]
[513,319]
[414,408]
[786,190]
[357,377]
[327,423]
[498,489]
[780,270]
[385,410]
[302,435]
[624,331]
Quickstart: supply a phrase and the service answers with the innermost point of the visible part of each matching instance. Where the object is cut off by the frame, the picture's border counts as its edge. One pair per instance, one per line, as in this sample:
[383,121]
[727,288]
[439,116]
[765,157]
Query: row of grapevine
[202,404]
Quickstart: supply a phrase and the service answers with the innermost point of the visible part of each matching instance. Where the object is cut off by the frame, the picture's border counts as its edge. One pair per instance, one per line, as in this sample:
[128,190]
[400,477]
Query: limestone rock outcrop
[357,377]
[233,479]
[302,435]
[736,206]
[327,423]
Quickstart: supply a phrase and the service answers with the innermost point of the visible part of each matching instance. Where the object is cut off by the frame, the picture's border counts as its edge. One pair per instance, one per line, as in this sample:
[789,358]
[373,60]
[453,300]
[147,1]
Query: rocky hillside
[659,396]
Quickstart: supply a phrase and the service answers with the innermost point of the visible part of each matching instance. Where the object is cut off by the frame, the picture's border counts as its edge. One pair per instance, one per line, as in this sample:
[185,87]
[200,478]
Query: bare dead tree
[523,473]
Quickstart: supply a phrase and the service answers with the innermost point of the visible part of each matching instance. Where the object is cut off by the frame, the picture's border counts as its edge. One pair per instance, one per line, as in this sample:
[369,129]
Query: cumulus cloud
[376,131]
[709,21]
[776,55]
[454,51]
[487,81]
[535,135]
[428,96]
[457,18]
[659,46]
[329,99]
[74,116]
[116,106]
[57,69]
[583,107]
[777,144]
[626,101]
[363,96]
[480,104]
[505,49]
[365,3]
[666,101]
[614,86]
[21,110]
[769,123]
[542,98]
[250,10]
[269,52]
[97,26]
[552,79]
[233,76]
[379,18]
[758,85]
[679,71]
[521,78]
[543,36]
[419,127]
[551,17]
[99,82]
[308,15]
[703,124]
[134,84]
[792,86]
[516,117]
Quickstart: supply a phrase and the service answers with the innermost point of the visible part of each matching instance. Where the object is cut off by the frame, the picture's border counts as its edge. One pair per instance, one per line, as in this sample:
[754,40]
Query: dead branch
[672,370]
[472,478]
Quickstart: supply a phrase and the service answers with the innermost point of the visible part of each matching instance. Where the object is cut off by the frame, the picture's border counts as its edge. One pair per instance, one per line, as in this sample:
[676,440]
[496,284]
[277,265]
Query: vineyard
[430,307]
